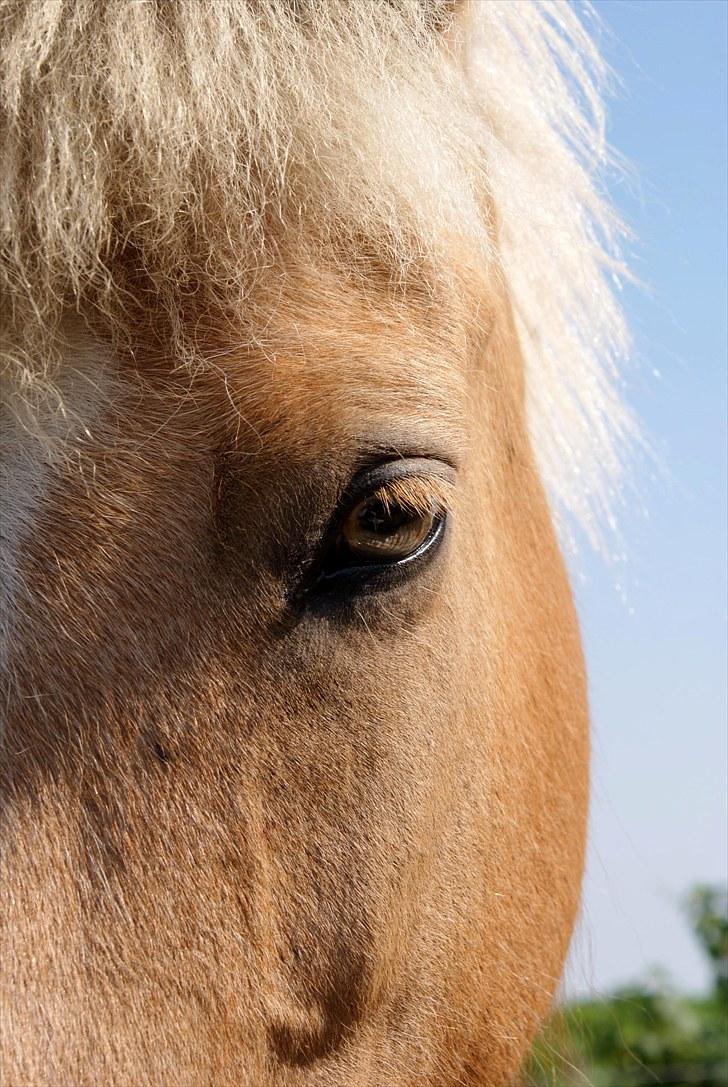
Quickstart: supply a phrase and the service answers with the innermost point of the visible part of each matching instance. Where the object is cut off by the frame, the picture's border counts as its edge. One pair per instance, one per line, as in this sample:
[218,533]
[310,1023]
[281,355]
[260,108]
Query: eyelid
[409,471]
[394,447]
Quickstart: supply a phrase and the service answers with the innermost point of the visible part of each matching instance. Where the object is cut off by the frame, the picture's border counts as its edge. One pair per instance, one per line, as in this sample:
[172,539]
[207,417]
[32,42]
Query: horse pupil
[376,520]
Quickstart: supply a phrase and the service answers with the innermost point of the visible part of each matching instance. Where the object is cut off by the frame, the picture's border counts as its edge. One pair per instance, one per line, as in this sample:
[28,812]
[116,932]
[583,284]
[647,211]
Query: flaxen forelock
[161,154]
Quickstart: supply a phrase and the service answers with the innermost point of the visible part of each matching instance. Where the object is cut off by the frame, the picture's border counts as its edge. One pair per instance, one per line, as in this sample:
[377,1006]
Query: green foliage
[646,1034]
[636,1037]
[707,908]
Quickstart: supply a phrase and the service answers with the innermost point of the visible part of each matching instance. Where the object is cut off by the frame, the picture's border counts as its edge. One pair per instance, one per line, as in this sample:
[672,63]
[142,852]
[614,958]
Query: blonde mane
[169,150]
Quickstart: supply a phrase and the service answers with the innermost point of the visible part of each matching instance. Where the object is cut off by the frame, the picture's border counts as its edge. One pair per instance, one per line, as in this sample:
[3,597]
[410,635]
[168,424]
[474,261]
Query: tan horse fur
[247,841]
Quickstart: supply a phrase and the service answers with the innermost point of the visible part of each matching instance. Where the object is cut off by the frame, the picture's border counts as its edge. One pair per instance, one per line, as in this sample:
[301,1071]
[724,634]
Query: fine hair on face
[307,341]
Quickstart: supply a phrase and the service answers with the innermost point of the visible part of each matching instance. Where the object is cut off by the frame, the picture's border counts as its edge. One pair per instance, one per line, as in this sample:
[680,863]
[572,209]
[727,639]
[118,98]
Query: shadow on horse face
[293,816]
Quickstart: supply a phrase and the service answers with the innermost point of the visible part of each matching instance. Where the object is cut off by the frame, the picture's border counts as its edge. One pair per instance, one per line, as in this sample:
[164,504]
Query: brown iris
[373,532]
[393,523]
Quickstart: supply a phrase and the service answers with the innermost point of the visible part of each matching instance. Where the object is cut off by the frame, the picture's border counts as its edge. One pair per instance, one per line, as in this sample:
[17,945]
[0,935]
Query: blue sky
[655,627]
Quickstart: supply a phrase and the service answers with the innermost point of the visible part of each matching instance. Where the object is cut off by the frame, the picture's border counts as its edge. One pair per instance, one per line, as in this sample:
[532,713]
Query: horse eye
[391,522]
[380,531]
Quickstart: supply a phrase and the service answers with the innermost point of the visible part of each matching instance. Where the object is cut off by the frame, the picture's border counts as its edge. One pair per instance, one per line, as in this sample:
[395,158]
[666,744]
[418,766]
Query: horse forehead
[337,364]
